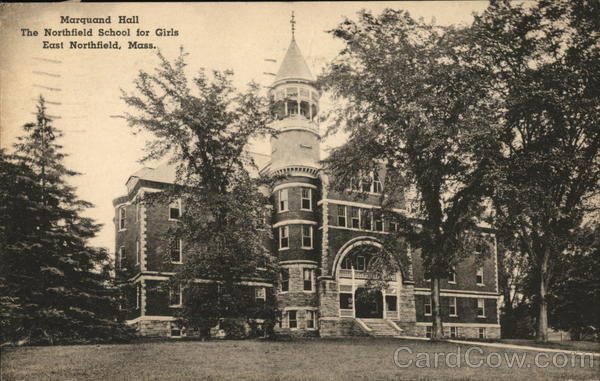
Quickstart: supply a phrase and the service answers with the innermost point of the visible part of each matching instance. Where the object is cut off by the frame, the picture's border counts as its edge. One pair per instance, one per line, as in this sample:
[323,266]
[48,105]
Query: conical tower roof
[294,66]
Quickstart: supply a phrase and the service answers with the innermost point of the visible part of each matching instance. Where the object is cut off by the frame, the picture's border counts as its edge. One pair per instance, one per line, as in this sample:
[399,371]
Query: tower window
[285,280]
[307,237]
[310,319]
[284,237]
[121,256]
[308,279]
[306,199]
[342,215]
[260,294]
[292,319]
[283,200]
[122,218]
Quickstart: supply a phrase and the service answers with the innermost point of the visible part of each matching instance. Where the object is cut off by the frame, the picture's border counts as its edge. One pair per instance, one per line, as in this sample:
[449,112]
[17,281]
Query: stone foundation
[463,332]
[340,327]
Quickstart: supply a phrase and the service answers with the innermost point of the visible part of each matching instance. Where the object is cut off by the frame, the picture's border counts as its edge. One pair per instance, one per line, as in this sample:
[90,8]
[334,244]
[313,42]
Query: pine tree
[55,287]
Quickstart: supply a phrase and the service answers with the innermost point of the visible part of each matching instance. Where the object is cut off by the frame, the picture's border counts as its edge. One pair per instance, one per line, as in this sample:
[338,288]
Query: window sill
[480,284]
[452,315]
[481,316]
[305,210]
[426,314]
[122,230]
[174,219]
[309,291]
[283,248]
[451,282]
[307,248]
[176,306]
[283,211]
[176,263]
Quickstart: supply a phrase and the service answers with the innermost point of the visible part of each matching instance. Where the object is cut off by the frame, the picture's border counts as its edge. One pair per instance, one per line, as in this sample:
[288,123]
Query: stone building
[320,239]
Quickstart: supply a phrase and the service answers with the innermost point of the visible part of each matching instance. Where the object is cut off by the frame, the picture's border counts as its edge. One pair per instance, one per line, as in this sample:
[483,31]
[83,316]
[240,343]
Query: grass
[310,360]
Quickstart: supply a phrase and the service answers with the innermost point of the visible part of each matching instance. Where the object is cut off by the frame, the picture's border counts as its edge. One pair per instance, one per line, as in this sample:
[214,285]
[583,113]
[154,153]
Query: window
[342,215]
[138,296]
[121,260]
[391,302]
[285,280]
[452,276]
[175,296]
[347,263]
[292,107]
[453,332]
[482,333]
[354,184]
[292,319]
[378,223]
[366,218]
[308,279]
[307,237]
[310,318]
[377,187]
[355,217]
[306,199]
[428,306]
[175,210]
[122,218]
[480,307]
[428,331]
[175,330]
[283,200]
[284,240]
[345,301]
[479,276]
[305,109]
[393,226]
[260,294]
[138,255]
[176,251]
[452,311]
[360,263]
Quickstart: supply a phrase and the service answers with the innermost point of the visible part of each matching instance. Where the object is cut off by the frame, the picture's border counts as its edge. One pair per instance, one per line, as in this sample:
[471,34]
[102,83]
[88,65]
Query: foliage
[545,62]
[575,293]
[55,288]
[412,99]
[204,130]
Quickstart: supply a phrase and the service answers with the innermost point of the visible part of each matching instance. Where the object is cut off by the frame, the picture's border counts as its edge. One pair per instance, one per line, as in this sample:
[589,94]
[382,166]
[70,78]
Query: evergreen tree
[412,99]
[204,130]
[55,288]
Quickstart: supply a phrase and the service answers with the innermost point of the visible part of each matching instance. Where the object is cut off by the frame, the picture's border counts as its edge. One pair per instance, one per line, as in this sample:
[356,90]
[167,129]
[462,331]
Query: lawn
[310,360]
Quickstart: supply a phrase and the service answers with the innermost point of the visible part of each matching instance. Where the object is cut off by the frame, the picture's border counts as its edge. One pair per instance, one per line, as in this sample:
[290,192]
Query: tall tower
[295,154]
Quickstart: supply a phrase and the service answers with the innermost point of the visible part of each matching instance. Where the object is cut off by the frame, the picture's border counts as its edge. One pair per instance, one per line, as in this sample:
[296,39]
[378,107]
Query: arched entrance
[369,303]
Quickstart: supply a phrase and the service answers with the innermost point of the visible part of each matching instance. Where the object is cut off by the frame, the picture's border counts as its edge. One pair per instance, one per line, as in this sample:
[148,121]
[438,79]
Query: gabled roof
[293,66]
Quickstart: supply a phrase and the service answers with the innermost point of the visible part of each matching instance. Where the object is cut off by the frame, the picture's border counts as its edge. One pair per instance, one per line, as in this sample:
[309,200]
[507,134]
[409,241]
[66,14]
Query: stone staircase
[379,327]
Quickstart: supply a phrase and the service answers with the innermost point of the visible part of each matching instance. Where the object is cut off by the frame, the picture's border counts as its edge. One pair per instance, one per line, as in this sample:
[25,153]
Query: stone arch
[353,243]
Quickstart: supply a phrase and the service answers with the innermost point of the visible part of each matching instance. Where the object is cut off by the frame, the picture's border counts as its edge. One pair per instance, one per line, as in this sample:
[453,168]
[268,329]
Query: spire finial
[293,23]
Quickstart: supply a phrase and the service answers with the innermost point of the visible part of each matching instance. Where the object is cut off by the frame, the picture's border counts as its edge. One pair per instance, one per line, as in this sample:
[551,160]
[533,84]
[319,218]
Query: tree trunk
[437,331]
[542,326]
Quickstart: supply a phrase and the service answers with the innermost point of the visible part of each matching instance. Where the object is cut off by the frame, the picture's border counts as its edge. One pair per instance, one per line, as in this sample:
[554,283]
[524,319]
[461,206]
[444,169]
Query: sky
[84,86]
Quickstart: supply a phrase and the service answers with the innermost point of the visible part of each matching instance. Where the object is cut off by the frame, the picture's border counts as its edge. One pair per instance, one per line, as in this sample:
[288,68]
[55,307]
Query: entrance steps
[379,327]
